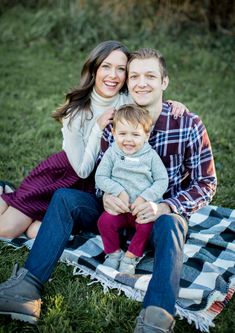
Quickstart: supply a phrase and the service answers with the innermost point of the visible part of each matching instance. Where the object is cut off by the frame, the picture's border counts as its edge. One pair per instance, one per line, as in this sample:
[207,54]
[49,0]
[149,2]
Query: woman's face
[111,74]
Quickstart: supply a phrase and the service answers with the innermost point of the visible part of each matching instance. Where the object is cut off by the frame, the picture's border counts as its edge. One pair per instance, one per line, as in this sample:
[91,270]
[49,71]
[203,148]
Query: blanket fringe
[106,284]
[201,319]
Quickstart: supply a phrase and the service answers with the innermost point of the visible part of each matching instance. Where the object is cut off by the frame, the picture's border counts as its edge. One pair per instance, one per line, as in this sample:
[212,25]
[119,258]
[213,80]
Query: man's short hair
[147,53]
[135,115]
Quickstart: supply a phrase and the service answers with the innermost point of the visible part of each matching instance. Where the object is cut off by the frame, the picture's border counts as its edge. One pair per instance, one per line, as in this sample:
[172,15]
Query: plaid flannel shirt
[184,147]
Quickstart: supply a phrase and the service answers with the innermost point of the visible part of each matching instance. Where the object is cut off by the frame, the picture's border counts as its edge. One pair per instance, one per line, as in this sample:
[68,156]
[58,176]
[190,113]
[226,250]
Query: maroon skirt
[35,192]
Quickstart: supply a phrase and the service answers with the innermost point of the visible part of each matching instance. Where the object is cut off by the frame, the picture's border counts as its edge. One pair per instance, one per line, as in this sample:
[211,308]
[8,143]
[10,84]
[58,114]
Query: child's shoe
[127,265]
[113,259]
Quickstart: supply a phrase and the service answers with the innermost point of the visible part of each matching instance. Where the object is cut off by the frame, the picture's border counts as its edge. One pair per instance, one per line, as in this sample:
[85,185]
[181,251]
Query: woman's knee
[33,229]
[13,223]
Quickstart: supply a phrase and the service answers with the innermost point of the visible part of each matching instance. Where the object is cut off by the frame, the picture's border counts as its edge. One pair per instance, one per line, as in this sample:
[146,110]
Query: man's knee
[168,223]
[60,194]
[68,197]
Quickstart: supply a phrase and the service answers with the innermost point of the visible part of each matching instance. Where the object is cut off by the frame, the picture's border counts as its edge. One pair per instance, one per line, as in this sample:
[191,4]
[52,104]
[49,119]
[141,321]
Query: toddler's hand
[138,201]
[125,199]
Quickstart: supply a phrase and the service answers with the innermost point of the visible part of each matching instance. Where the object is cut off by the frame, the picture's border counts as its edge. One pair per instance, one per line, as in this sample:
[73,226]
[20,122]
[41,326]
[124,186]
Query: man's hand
[114,205]
[150,211]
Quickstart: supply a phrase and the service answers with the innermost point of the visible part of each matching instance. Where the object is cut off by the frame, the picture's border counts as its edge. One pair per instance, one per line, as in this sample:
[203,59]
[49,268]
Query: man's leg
[20,296]
[168,237]
[68,209]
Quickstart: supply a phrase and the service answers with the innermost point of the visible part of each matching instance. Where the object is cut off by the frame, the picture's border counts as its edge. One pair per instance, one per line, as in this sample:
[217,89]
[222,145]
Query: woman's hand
[106,118]
[178,109]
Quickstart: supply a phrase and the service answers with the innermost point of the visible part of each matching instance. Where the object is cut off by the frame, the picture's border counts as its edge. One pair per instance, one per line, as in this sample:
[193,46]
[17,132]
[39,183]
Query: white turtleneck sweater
[82,142]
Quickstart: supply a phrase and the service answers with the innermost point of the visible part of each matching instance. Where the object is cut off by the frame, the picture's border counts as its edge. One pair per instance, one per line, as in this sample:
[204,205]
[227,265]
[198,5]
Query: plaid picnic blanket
[208,275]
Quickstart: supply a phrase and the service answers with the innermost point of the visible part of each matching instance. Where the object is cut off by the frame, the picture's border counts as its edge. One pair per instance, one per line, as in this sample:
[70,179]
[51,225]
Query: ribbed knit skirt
[35,192]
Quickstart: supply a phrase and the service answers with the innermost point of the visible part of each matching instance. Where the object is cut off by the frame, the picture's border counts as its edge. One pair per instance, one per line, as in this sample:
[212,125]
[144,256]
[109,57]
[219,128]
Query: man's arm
[199,164]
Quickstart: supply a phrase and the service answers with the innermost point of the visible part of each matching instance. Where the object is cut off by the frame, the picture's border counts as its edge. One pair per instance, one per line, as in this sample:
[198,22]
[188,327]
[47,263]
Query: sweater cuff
[175,206]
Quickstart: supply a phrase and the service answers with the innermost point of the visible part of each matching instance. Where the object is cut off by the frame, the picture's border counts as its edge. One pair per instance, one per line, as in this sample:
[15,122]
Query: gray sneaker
[127,265]
[20,296]
[113,259]
[154,320]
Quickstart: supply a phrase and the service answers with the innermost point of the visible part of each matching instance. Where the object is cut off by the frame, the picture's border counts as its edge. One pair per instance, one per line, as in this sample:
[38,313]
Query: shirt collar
[160,124]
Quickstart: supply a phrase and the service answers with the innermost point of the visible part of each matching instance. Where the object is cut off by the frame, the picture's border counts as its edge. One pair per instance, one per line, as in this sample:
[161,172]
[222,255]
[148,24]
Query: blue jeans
[70,211]
[168,238]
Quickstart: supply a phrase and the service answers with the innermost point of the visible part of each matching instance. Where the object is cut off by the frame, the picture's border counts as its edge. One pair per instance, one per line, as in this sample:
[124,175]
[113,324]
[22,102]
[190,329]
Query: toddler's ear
[147,137]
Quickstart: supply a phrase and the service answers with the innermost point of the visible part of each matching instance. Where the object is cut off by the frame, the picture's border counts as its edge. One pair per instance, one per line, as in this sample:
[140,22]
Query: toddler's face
[129,137]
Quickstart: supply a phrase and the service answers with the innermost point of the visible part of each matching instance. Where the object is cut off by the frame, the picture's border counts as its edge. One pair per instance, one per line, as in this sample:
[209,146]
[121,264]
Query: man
[185,149]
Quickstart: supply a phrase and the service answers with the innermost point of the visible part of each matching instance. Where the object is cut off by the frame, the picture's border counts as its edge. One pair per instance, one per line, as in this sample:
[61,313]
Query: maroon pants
[109,226]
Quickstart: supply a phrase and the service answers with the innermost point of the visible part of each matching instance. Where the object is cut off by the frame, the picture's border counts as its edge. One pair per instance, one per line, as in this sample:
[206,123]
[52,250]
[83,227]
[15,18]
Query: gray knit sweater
[141,174]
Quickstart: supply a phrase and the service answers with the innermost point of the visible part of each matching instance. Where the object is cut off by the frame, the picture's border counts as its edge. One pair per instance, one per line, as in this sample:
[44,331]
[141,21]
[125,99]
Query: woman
[86,112]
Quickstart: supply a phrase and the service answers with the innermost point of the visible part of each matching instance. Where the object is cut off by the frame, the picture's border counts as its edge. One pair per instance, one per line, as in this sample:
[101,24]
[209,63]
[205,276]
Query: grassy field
[35,75]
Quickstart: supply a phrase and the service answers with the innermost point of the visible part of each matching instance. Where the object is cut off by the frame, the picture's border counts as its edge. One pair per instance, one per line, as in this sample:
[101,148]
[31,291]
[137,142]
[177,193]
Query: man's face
[145,82]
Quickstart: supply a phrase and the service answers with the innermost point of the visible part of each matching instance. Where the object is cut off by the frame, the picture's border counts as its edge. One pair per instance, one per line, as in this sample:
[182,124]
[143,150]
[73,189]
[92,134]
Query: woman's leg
[3,206]
[5,187]
[13,223]
[33,229]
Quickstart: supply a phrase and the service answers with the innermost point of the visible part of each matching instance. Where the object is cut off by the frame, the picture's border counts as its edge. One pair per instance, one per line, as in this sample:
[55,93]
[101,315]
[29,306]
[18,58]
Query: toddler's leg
[108,226]
[140,238]
[136,247]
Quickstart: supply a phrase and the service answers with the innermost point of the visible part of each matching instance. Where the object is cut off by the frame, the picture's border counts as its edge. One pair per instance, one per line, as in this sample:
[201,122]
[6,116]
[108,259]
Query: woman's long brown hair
[79,99]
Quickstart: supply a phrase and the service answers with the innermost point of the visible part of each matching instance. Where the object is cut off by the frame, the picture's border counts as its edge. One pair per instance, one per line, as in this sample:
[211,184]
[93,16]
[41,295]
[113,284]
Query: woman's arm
[81,155]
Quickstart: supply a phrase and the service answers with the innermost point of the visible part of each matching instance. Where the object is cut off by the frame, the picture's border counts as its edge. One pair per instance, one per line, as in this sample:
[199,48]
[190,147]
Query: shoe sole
[21,317]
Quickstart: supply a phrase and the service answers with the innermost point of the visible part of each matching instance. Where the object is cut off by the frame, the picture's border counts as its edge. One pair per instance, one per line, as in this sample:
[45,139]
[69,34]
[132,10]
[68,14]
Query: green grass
[36,72]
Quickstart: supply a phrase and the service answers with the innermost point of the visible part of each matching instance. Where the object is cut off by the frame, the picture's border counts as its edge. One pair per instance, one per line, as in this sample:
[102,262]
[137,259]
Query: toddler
[131,170]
